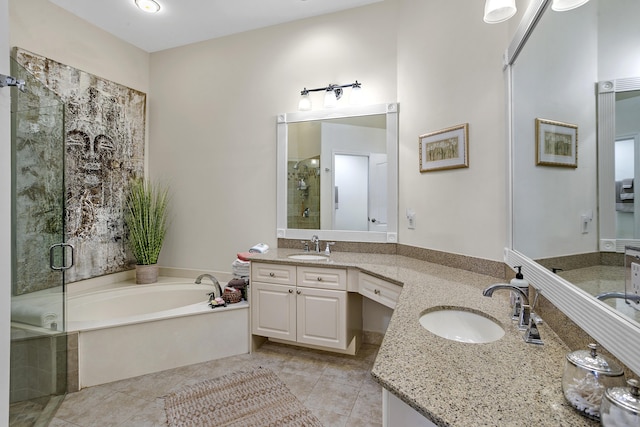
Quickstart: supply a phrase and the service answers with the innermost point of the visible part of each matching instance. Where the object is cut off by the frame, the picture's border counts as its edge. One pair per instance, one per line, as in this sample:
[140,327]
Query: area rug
[255,398]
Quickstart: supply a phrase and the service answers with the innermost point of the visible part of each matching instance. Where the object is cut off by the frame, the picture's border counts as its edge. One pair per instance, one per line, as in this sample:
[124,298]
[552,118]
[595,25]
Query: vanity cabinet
[376,289]
[306,305]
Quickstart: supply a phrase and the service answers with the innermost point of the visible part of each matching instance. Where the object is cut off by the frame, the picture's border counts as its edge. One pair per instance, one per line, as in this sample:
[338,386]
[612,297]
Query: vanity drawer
[386,293]
[322,278]
[273,273]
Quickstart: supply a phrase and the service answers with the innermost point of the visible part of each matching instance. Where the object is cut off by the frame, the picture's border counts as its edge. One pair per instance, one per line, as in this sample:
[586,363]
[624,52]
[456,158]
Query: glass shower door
[38,375]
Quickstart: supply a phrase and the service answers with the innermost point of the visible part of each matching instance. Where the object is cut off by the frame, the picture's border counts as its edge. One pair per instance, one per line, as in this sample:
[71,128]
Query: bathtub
[128,330]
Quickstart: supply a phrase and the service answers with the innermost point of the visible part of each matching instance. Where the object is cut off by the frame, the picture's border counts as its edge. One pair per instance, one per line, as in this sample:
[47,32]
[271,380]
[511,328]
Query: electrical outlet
[635,278]
[411,219]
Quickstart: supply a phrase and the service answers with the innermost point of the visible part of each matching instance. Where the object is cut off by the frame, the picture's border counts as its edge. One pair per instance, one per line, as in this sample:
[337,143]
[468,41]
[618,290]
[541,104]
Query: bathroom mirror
[337,174]
[554,65]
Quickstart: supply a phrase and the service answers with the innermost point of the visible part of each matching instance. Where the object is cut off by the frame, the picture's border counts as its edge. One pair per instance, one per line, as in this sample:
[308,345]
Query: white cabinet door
[273,310]
[322,317]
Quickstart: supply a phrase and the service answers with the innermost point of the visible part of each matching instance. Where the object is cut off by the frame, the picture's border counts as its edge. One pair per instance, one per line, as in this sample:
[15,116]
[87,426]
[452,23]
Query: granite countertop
[503,383]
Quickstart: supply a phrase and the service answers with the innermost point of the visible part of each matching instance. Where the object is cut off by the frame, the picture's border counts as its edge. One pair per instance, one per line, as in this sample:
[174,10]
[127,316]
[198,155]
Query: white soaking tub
[126,331]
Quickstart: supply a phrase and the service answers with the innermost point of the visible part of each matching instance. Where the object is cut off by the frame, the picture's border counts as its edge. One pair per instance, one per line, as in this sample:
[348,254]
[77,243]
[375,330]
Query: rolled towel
[33,315]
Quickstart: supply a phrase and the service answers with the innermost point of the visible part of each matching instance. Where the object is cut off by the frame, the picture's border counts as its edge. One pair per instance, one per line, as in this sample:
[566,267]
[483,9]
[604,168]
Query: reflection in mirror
[337,173]
[566,218]
[627,162]
[337,170]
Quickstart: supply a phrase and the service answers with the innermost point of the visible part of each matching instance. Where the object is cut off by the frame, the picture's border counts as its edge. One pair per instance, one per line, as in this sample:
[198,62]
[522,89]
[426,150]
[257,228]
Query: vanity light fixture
[562,5]
[496,11]
[149,6]
[332,93]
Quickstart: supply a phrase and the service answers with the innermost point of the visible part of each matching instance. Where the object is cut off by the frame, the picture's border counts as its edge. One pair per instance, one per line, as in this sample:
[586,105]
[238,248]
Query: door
[322,316]
[378,192]
[273,310]
[38,342]
[351,192]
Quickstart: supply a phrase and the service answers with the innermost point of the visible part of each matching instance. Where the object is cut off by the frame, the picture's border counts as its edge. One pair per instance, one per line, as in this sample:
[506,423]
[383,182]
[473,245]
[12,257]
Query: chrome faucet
[213,279]
[618,295]
[316,241]
[526,322]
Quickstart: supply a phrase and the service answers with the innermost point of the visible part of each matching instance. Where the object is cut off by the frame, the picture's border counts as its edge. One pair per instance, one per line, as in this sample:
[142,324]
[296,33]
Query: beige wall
[213,115]
[46,29]
[212,108]
[5,219]
[450,73]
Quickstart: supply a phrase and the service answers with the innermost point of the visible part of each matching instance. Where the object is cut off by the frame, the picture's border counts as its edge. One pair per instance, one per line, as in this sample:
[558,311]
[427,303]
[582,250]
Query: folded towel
[244,256]
[262,248]
[626,196]
[627,183]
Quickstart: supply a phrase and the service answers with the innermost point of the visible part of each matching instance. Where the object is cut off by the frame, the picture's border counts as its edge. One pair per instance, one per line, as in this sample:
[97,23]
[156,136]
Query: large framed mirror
[571,67]
[338,174]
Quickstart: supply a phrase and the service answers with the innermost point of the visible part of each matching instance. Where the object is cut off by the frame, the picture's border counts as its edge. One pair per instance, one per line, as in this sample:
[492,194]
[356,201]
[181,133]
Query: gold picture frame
[444,149]
[556,144]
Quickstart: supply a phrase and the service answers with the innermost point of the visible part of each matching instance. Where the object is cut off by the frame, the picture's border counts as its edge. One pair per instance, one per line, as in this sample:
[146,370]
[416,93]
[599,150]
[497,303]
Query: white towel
[33,315]
[261,248]
[627,183]
[626,196]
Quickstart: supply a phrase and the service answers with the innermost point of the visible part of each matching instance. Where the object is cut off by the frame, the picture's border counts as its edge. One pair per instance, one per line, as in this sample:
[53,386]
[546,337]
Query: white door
[378,192]
[350,192]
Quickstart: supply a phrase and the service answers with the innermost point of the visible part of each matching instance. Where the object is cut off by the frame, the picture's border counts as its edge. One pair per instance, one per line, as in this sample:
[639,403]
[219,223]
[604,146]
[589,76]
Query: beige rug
[241,399]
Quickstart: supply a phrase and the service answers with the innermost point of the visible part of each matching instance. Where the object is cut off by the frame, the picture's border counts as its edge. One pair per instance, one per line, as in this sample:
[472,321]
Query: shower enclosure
[38,354]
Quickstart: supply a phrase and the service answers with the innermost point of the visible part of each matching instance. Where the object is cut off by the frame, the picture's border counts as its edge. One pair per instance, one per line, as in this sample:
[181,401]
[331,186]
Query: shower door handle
[51,256]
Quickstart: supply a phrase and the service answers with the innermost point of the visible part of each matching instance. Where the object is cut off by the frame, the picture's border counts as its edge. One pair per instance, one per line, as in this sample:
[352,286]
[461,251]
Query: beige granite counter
[503,383]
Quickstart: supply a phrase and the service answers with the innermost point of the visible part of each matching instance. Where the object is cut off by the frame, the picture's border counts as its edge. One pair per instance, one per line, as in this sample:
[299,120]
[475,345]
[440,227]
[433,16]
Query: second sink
[308,257]
[461,325]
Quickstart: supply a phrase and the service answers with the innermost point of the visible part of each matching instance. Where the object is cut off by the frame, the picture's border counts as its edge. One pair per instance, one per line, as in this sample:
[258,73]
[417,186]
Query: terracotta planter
[146,274]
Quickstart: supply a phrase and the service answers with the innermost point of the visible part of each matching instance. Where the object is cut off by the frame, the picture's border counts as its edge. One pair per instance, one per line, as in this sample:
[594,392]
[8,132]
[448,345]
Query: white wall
[548,201]
[449,73]
[213,124]
[5,218]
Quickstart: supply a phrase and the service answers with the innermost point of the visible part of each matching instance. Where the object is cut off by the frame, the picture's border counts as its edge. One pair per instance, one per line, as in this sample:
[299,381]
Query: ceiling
[181,22]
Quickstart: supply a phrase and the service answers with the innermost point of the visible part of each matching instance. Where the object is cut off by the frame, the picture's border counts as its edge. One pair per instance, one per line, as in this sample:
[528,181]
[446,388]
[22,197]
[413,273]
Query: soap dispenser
[521,283]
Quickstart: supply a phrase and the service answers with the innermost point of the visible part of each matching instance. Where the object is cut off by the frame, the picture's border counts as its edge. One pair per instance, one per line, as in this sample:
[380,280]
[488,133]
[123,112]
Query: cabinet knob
[298,292]
[272,274]
[290,291]
[319,279]
[376,291]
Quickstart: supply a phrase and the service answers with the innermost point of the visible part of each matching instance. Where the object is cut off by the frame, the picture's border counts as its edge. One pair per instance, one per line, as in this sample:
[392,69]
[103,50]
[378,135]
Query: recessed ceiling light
[149,6]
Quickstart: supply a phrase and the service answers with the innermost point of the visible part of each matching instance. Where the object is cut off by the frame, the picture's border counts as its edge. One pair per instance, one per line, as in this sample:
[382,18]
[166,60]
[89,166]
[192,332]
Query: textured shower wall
[104,148]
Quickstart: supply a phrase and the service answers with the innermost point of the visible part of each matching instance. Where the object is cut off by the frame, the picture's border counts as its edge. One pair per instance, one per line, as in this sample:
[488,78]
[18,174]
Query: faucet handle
[306,245]
[532,335]
[328,250]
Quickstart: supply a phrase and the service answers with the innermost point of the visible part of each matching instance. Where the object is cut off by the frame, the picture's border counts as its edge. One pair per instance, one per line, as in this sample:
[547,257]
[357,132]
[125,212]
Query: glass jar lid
[627,398]
[591,360]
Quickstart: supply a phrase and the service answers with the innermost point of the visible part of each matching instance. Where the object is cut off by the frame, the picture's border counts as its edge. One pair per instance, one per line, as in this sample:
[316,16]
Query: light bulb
[564,5]
[305,102]
[330,99]
[496,11]
[355,97]
[149,6]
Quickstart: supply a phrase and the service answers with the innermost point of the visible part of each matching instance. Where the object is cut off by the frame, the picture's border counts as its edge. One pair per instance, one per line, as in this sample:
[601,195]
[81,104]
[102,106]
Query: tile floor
[338,389]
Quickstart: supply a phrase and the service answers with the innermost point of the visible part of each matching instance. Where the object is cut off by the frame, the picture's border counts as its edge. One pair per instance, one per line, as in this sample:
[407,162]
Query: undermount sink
[308,257]
[461,325]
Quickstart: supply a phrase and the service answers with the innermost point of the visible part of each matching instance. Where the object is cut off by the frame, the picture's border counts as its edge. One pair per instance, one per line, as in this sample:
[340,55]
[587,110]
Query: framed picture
[556,144]
[445,149]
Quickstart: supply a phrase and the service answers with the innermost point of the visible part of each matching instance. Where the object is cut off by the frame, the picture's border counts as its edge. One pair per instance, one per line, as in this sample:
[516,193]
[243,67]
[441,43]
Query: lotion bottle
[521,283]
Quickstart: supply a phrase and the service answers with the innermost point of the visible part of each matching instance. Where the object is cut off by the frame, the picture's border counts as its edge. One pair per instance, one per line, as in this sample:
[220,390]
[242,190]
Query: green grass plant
[146,218]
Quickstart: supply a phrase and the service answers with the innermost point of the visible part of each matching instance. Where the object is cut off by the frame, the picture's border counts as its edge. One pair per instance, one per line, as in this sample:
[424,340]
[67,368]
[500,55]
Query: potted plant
[146,218]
